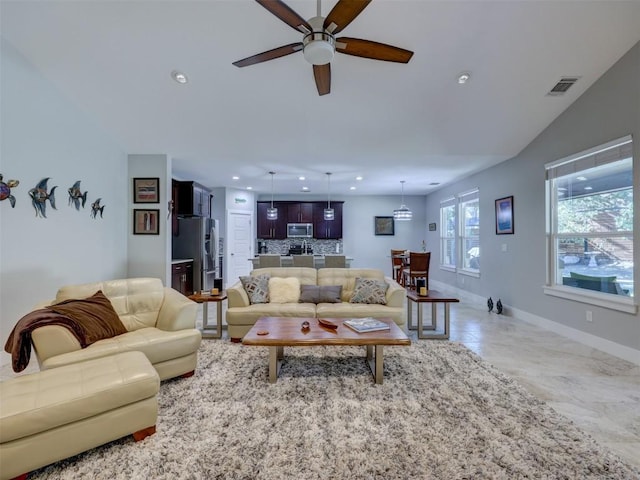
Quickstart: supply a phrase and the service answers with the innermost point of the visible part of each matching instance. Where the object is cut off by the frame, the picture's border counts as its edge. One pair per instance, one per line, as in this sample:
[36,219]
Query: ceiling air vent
[562,86]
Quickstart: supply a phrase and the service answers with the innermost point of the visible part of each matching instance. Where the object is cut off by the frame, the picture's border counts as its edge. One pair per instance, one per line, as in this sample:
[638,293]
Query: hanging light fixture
[402,213]
[329,213]
[272,213]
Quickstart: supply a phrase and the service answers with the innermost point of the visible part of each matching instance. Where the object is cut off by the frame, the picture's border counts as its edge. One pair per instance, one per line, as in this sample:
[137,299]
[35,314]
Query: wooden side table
[204,299]
[433,298]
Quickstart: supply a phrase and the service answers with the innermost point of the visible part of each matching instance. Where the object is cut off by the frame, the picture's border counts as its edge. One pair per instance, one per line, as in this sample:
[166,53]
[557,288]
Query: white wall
[610,109]
[44,135]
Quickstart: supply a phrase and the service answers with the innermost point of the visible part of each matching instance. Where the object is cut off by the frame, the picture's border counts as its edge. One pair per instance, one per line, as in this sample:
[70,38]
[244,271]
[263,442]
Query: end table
[204,299]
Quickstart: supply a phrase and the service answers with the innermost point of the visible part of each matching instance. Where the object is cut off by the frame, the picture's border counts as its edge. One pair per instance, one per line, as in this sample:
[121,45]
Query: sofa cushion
[257,288]
[284,290]
[368,290]
[320,293]
[96,315]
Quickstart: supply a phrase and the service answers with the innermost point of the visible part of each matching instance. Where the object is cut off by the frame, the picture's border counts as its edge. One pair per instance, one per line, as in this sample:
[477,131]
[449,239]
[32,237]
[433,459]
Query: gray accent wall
[608,110]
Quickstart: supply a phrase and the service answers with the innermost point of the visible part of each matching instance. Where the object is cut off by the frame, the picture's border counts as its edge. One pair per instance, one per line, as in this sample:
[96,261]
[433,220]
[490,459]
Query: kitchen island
[287,261]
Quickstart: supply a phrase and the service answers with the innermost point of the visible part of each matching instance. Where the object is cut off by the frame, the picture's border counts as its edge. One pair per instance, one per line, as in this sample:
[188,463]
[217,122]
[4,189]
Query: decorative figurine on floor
[95,208]
[39,196]
[75,196]
[490,304]
[5,190]
[499,307]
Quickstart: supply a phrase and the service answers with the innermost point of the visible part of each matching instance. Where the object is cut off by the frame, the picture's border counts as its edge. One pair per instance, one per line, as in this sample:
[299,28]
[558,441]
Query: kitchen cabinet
[272,229]
[300,212]
[182,277]
[194,200]
[174,207]
[327,229]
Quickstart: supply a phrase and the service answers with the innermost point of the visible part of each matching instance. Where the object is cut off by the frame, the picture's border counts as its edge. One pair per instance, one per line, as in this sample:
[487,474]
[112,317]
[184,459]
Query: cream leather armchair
[160,323]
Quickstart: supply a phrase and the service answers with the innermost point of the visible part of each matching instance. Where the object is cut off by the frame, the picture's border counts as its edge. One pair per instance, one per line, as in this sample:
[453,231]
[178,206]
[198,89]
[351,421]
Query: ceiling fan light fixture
[319,48]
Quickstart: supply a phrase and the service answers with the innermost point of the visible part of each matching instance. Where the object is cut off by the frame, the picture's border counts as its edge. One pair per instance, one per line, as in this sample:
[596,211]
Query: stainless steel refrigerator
[198,238]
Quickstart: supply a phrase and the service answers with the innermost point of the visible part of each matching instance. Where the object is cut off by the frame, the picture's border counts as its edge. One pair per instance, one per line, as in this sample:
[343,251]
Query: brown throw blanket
[19,341]
[89,319]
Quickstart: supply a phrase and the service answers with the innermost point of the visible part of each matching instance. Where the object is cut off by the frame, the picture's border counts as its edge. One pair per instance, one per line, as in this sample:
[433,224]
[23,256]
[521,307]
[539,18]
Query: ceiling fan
[319,43]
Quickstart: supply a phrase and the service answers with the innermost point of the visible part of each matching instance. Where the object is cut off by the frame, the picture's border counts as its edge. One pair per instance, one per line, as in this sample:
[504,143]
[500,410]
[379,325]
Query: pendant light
[402,213]
[272,213]
[329,213]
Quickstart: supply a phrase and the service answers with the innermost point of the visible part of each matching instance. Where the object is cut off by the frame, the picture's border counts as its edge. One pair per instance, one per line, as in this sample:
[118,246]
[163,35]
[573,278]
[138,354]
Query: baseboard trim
[612,348]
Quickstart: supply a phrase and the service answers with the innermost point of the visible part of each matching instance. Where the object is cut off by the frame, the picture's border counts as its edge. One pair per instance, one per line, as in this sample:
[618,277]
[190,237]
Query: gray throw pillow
[257,288]
[368,290]
[320,293]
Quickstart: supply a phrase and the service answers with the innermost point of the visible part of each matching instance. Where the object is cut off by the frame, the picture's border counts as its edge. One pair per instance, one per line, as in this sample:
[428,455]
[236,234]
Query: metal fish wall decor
[39,196]
[76,196]
[5,190]
[96,208]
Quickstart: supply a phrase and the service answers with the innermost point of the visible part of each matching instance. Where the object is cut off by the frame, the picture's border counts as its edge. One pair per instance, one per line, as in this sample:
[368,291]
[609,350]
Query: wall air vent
[562,86]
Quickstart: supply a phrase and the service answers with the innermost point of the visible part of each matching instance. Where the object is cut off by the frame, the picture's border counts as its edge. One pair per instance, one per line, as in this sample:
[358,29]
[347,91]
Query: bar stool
[335,261]
[266,261]
[303,261]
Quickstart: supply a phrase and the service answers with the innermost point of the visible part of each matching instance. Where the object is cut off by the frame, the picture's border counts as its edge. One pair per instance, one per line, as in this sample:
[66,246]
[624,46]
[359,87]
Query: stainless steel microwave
[299,230]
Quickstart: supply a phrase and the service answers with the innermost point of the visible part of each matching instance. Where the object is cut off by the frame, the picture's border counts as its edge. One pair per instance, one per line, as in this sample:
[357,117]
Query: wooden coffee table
[287,332]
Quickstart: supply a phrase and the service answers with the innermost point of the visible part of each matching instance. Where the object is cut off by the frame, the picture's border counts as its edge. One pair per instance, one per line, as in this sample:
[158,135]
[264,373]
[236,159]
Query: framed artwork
[432,227]
[384,226]
[146,190]
[146,222]
[504,216]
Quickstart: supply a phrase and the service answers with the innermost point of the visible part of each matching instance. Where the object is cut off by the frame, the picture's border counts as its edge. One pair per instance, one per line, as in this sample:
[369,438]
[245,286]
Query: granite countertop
[180,260]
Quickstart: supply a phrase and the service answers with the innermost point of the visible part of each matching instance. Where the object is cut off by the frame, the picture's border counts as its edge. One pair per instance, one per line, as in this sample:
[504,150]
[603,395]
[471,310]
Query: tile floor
[600,393]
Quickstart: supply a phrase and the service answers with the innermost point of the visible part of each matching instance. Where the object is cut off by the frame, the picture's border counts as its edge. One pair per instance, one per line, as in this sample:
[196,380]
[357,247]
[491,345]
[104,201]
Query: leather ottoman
[54,414]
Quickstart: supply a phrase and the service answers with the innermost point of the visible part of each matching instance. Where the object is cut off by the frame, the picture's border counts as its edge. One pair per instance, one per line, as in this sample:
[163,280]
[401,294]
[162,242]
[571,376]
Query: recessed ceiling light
[179,77]
[235,177]
[352,188]
[358,178]
[249,188]
[304,189]
[301,178]
[581,178]
[588,188]
[464,77]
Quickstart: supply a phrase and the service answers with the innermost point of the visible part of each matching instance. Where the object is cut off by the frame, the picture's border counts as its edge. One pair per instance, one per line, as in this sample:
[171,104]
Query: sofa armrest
[237,296]
[177,312]
[395,293]
[52,340]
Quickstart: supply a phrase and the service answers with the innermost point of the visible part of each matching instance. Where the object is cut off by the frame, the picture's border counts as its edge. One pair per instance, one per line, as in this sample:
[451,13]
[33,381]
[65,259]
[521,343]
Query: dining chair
[266,261]
[418,268]
[303,261]
[397,266]
[335,261]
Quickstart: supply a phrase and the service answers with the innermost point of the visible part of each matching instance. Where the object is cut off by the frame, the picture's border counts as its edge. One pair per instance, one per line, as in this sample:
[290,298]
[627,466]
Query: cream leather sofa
[160,323]
[54,414]
[241,315]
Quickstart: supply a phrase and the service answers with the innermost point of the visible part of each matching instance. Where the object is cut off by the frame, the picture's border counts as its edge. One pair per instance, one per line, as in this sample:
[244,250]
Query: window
[448,233]
[460,233]
[590,224]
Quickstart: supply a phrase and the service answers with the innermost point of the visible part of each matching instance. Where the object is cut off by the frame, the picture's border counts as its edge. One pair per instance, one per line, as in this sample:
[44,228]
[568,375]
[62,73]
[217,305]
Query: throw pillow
[368,290]
[284,290]
[95,314]
[321,294]
[257,288]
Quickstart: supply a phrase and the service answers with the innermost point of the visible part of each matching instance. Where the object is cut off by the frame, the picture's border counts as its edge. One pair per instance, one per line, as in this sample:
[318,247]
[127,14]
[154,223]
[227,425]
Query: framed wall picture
[146,222]
[384,226]
[432,227]
[504,216]
[146,190]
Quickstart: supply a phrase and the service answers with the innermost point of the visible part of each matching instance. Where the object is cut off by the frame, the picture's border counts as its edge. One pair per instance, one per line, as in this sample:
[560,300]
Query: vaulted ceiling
[384,121]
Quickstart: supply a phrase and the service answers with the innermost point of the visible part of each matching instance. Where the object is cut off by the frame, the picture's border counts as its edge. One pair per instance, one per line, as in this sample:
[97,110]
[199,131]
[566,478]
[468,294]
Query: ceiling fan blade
[270,55]
[373,50]
[322,74]
[343,13]
[286,14]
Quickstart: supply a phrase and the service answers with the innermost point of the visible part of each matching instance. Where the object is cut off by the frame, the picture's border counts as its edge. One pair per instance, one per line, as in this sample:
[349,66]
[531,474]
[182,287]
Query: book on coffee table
[368,324]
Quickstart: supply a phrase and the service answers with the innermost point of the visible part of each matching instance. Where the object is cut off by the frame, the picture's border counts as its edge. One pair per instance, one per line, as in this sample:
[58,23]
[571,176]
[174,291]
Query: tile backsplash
[320,247]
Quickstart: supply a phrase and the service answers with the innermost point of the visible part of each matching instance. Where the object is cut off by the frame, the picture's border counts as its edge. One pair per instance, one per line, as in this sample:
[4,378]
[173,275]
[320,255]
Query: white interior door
[239,246]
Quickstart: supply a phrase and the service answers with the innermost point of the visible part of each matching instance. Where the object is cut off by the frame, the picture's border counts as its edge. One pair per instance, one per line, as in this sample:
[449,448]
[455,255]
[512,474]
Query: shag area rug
[442,413]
